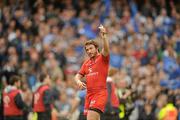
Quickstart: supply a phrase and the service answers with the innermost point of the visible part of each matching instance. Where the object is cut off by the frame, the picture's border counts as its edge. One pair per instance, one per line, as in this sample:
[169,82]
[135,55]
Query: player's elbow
[78,76]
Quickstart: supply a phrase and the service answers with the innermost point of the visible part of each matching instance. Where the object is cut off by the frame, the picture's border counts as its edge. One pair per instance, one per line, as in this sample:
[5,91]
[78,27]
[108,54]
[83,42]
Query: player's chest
[93,66]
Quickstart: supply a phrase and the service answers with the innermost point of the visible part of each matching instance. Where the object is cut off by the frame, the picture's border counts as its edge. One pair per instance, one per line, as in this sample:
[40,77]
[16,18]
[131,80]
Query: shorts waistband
[97,89]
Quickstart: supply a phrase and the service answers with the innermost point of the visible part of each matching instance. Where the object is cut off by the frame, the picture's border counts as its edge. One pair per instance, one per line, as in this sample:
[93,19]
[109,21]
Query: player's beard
[92,55]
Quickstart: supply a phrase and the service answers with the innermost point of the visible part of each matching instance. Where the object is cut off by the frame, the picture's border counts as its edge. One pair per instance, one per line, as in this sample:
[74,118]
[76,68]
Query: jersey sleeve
[82,70]
[106,58]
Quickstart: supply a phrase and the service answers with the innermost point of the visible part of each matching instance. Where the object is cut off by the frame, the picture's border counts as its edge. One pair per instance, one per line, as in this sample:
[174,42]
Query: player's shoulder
[104,57]
[86,62]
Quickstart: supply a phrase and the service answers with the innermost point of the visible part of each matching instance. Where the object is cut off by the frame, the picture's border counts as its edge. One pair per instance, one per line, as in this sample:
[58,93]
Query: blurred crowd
[47,36]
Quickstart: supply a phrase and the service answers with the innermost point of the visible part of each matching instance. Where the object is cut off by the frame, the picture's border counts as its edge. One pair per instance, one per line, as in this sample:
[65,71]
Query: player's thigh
[99,101]
[93,115]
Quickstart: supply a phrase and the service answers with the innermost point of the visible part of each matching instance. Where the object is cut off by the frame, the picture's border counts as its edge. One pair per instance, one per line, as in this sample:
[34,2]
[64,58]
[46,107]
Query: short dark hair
[42,76]
[91,42]
[14,79]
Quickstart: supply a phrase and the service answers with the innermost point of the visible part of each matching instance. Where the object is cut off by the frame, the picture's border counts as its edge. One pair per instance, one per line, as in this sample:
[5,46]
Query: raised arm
[105,42]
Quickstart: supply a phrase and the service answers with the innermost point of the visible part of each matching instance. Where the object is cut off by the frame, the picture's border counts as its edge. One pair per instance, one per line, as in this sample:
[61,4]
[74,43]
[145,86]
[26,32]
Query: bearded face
[91,50]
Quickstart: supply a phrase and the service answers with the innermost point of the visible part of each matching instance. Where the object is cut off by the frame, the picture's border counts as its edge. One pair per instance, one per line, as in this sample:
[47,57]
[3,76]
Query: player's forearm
[78,77]
[105,45]
[105,42]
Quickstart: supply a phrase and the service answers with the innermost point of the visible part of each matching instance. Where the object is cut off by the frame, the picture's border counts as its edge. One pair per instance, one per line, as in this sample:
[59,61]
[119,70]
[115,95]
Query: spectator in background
[123,93]
[63,106]
[42,99]
[112,106]
[82,96]
[116,58]
[168,110]
[178,105]
[13,102]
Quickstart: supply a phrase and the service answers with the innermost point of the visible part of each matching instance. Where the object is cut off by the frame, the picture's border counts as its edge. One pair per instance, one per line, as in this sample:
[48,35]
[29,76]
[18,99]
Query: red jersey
[114,98]
[38,99]
[95,71]
[10,108]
